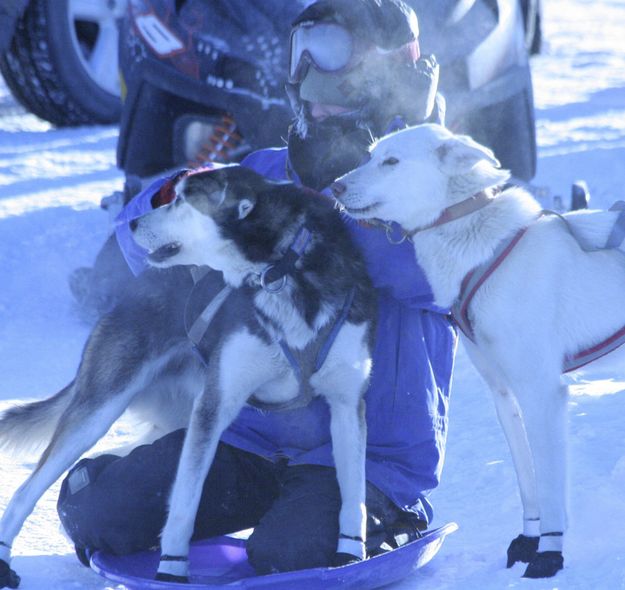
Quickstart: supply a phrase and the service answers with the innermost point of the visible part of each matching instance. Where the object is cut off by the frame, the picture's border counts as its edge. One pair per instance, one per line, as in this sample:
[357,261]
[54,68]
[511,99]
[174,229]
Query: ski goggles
[328,46]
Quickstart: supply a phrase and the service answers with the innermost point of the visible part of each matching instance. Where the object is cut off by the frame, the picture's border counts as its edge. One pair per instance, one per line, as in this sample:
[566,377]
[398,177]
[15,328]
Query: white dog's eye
[390,161]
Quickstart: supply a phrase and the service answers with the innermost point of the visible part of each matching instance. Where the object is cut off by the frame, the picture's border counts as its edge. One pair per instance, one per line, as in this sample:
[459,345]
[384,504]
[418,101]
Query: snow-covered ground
[51,182]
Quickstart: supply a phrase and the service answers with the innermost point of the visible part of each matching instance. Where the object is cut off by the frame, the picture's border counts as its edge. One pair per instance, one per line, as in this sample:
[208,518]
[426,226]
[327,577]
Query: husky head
[415,173]
[189,230]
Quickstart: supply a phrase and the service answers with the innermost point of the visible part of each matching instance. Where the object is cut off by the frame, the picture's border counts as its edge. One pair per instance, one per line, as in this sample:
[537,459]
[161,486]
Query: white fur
[281,309]
[549,298]
[202,244]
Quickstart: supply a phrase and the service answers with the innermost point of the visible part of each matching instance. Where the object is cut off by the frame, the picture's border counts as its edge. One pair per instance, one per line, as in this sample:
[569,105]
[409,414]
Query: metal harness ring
[267,286]
[389,235]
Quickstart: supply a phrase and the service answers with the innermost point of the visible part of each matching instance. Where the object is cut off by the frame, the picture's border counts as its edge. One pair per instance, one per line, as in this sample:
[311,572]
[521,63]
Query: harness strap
[338,324]
[270,275]
[476,278]
[275,272]
[199,272]
[324,350]
[585,244]
[300,361]
[200,325]
[579,359]
[615,239]
[288,354]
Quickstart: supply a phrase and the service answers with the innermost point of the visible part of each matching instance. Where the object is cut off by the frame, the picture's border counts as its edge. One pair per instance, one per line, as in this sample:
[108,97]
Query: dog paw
[341,559]
[523,549]
[171,578]
[545,564]
[8,578]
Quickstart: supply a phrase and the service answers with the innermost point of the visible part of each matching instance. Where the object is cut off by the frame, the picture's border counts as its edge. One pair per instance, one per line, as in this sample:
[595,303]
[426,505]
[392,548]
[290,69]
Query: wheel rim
[94,30]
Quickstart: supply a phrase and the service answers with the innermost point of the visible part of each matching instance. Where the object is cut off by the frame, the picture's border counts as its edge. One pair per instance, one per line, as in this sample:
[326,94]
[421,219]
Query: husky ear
[460,154]
[245,207]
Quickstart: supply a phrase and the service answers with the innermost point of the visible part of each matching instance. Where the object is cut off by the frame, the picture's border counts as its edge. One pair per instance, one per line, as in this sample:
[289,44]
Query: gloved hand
[420,80]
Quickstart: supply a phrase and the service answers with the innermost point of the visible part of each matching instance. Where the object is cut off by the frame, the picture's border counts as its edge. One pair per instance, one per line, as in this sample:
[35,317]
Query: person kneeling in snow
[355,73]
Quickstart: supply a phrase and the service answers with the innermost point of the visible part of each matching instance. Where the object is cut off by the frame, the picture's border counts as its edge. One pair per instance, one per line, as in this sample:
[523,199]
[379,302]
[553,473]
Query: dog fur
[139,356]
[548,299]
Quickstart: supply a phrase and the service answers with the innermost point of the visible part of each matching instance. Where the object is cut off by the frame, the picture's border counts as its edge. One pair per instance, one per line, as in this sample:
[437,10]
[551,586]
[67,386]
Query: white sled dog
[295,318]
[535,294]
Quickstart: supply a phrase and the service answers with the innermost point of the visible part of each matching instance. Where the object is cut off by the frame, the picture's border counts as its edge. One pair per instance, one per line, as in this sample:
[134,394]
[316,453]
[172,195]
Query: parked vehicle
[59,58]
[206,77]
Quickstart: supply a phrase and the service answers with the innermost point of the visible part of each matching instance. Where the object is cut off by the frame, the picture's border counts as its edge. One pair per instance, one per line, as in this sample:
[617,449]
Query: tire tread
[28,67]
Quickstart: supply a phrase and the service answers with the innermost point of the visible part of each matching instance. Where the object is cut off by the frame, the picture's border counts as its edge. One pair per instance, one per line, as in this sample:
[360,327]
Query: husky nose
[338,189]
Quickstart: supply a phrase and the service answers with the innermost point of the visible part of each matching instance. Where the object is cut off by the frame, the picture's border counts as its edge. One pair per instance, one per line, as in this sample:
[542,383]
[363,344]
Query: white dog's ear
[245,208]
[460,154]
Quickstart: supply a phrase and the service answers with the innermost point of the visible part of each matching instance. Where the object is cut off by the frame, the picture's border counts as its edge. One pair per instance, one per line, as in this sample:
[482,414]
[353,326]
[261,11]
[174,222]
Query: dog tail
[27,428]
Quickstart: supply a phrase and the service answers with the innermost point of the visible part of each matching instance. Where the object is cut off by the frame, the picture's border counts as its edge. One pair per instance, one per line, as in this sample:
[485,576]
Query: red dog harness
[478,276]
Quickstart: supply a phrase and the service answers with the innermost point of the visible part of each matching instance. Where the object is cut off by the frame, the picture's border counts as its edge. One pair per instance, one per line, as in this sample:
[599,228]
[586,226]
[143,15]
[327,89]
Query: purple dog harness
[304,362]
[478,276]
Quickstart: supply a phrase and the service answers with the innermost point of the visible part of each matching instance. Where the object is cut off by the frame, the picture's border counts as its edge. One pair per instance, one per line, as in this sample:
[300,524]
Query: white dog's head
[415,173]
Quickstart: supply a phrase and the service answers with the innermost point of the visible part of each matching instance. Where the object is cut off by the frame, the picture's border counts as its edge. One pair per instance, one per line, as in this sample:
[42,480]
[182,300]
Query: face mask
[328,150]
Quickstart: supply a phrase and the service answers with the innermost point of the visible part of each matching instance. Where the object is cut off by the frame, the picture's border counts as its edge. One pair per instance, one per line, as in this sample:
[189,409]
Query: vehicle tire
[62,62]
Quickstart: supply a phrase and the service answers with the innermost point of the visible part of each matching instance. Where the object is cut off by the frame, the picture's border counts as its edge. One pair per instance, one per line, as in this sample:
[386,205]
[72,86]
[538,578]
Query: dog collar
[458,210]
[396,235]
[278,271]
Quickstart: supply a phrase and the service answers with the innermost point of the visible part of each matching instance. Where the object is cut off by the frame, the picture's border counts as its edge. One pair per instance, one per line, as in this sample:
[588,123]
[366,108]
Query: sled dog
[536,295]
[292,318]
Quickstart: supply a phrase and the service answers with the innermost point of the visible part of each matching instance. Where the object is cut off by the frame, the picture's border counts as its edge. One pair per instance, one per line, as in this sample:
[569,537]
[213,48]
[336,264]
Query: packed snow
[51,182]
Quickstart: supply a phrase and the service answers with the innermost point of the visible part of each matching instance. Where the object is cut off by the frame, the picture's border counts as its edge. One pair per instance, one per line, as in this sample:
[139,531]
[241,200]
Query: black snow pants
[119,504]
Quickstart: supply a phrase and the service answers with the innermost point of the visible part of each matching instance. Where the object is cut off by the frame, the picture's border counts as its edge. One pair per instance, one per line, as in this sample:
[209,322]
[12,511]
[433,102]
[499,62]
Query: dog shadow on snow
[57,572]
[596,104]
[596,411]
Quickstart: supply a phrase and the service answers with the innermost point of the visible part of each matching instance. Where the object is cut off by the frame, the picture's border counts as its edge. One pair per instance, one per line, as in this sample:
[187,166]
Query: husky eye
[390,161]
[245,207]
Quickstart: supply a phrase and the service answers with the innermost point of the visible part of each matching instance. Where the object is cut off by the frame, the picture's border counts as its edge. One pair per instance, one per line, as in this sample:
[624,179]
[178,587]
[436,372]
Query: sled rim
[372,573]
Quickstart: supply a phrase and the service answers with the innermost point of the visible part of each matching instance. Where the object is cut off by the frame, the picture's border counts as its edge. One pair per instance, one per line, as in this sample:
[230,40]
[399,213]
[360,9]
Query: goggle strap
[408,51]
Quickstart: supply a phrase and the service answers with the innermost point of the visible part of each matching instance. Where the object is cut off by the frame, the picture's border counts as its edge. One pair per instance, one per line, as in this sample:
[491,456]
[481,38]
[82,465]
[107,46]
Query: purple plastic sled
[222,562]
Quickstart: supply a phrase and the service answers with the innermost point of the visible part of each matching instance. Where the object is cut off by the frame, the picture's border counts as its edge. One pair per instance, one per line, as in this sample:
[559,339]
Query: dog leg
[544,415]
[349,443]
[342,381]
[244,364]
[208,421]
[77,431]
[524,546]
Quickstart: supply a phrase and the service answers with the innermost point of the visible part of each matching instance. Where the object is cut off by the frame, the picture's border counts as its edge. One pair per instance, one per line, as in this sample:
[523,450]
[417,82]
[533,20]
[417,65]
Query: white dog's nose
[338,188]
